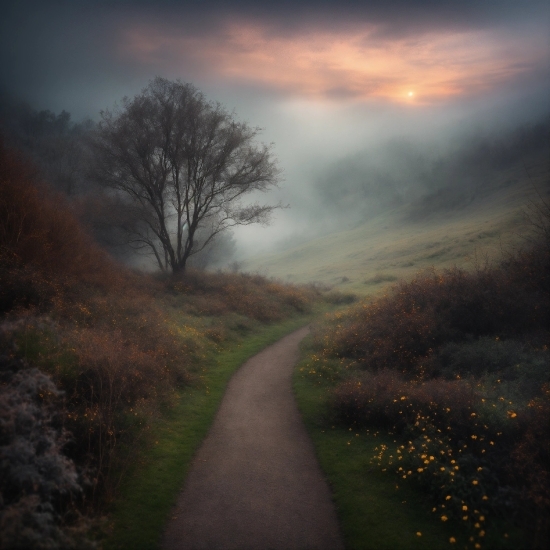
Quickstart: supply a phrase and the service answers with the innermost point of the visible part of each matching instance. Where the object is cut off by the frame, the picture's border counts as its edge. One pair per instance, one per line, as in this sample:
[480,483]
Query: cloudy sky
[324,79]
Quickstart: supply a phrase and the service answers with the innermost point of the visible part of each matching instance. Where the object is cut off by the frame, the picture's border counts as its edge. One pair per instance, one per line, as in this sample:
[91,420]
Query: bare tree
[184,164]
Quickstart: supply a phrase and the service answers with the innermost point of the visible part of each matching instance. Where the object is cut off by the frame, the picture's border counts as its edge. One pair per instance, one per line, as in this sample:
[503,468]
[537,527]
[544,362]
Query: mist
[368,105]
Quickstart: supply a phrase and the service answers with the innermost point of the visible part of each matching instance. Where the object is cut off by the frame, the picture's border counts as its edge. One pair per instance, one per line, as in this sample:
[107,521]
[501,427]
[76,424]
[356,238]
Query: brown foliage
[117,343]
[253,296]
[402,329]
[38,229]
[388,400]
[481,442]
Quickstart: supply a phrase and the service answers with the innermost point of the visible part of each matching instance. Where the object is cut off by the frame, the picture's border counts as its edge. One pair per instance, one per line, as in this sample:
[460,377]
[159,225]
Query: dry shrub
[112,377]
[38,482]
[479,444]
[117,343]
[529,467]
[253,296]
[386,399]
[38,230]
[403,329]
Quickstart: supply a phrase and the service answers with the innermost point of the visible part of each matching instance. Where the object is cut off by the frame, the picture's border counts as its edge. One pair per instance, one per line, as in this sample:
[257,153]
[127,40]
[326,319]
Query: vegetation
[95,355]
[143,505]
[183,165]
[451,372]
[109,378]
[400,240]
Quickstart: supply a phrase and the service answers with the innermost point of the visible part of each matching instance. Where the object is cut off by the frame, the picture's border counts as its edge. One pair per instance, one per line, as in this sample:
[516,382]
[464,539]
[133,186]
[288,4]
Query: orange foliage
[38,229]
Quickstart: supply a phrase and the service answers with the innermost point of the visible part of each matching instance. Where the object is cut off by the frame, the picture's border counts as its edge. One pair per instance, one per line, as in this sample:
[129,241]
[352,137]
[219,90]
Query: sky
[325,80]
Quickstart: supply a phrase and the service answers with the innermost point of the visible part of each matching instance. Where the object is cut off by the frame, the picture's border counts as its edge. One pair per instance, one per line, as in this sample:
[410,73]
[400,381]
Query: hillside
[399,242]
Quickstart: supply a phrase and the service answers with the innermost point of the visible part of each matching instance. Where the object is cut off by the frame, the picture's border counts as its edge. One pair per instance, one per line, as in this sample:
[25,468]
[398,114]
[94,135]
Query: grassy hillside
[400,242]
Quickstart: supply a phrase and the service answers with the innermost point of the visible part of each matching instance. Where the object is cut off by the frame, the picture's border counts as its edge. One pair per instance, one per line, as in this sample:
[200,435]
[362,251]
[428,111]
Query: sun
[410,94]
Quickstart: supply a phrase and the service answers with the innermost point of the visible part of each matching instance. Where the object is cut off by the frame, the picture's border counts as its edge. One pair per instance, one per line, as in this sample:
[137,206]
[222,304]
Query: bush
[253,296]
[38,230]
[117,344]
[38,482]
[455,365]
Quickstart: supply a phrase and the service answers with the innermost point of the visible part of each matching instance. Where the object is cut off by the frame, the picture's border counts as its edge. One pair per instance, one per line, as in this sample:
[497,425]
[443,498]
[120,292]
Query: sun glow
[356,64]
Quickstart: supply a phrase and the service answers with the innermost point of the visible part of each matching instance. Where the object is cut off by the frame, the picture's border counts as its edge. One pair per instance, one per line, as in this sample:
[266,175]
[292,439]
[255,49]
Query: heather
[454,368]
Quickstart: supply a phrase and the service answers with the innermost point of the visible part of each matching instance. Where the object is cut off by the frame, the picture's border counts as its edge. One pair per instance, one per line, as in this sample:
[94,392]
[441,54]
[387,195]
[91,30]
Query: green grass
[150,490]
[374,511]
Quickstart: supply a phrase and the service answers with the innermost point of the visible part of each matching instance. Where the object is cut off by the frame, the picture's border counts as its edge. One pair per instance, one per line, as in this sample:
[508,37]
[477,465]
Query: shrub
[455,365]
[117,344]
[38,230]
[37,480]
[253,296]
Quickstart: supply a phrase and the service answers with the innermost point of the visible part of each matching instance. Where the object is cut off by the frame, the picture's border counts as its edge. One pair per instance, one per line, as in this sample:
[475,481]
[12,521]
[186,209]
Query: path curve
[255,482]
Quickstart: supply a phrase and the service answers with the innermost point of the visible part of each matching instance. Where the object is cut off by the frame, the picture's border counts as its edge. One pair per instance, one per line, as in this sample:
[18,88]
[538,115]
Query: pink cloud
[355,63]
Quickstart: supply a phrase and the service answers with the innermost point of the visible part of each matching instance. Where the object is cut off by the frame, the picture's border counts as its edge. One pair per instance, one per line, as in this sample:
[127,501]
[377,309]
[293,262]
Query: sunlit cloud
[357,63]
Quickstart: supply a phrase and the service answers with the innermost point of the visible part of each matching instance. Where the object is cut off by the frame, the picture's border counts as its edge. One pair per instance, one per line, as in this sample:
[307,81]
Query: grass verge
[374,512]
[151,489]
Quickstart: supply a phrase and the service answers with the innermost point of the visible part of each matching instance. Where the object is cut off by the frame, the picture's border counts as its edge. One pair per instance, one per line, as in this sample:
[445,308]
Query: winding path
[255,482]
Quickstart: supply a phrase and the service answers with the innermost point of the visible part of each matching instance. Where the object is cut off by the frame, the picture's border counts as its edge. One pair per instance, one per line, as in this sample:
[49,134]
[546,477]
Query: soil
[255,482]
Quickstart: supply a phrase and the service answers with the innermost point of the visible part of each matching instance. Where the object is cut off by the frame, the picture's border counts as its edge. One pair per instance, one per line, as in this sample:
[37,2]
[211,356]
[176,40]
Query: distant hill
[457,225]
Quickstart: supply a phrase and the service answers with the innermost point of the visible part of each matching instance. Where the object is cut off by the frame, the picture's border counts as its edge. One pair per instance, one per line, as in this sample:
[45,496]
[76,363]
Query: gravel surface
[255,482]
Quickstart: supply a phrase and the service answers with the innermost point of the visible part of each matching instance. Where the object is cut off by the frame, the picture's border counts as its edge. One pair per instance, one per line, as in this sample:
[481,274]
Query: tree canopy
[183,166]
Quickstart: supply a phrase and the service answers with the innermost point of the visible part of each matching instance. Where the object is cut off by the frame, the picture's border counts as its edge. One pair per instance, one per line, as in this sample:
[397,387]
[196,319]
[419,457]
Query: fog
[368,105]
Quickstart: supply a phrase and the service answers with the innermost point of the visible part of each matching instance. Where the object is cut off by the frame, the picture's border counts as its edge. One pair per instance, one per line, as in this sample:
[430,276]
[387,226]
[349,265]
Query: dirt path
[255,482]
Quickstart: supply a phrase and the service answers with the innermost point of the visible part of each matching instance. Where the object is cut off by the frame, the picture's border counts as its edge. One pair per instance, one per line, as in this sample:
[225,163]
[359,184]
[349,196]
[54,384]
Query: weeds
[38,481]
